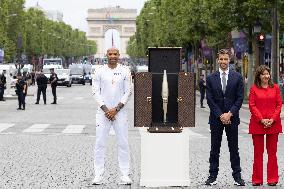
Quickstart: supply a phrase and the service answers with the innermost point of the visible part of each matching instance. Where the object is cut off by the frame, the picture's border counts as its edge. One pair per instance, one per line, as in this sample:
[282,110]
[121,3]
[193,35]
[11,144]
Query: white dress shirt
[221,75]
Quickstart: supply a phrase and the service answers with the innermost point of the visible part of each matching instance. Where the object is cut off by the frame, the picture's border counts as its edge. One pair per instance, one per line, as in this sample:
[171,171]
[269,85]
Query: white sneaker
[125,180]
[97,180]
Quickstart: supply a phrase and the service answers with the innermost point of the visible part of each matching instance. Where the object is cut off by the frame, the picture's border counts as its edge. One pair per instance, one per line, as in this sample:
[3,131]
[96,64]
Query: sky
[75,11]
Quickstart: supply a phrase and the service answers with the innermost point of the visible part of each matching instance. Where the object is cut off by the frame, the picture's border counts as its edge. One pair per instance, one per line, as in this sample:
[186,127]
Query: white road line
[196,135]
[4,126]
[74,129]
[36,128]
[79,98]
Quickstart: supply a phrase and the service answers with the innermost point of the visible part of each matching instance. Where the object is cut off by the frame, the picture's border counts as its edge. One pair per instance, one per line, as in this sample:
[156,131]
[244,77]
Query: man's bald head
[113,56]
[113,49]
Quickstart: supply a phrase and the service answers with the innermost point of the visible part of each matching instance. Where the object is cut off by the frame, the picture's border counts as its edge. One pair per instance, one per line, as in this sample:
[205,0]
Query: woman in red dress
[265,106]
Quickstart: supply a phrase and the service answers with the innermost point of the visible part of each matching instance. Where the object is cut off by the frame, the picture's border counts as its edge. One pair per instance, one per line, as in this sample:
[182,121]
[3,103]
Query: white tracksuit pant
[120,126]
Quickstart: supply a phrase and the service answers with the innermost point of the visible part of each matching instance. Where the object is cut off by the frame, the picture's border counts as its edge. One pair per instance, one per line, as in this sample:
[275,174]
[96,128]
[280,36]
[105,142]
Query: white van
[46,69]
[52,61]
[27,68]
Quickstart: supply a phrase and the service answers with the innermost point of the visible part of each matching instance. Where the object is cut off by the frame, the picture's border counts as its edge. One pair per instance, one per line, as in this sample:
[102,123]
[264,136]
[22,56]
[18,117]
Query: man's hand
[110,114]
[226,118]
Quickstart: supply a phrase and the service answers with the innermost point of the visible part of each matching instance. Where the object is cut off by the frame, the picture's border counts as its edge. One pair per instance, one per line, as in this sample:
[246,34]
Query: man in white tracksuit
[111,88]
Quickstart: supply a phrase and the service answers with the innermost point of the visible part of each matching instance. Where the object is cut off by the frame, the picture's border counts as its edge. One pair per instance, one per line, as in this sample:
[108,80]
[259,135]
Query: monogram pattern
[186,100]
[142,102]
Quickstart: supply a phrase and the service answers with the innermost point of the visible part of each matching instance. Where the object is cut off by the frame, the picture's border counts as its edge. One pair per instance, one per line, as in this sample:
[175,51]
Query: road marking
[79,98]
[196,135]
[36,128]
[4,126]
[74,129]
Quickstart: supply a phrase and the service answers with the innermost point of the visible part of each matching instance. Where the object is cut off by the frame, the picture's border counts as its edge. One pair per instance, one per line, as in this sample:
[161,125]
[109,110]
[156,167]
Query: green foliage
[186,22]
[30,32]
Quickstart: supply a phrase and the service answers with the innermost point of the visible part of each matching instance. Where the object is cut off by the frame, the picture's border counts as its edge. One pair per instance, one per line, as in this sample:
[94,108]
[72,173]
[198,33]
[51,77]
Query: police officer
[2,85]
[53,82]
[42,81]
[21,91]
[111,88]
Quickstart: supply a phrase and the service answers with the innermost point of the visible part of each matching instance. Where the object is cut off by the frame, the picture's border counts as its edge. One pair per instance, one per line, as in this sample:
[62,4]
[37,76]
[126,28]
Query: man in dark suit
[224,92]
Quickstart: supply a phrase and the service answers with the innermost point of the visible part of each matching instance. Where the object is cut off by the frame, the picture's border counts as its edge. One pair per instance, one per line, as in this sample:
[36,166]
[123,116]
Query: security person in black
[53,82]
[2,85]
[21,91]
[41,81]
[202,87]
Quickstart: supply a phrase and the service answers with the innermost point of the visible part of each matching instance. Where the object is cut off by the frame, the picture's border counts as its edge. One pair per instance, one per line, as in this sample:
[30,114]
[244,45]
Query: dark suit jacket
[219,102]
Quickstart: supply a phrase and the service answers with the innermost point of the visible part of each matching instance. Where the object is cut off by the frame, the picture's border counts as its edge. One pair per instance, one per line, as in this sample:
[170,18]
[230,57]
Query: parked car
[88,78]
[77,73]
[142,68]
[64,77]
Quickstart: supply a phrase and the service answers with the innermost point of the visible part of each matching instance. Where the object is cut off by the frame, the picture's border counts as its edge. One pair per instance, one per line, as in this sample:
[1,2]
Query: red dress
[265,103]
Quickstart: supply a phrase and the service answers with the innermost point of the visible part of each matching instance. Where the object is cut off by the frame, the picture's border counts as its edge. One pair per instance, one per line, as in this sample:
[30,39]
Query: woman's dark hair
[258,72]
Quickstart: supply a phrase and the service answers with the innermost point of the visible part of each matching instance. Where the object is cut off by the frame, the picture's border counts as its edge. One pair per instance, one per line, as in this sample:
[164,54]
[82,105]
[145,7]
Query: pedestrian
[41,81]
[202,87]
[21,91]
[53,83]
[2,85]
[224,92]
[265,106]
[33,77]
[111,88]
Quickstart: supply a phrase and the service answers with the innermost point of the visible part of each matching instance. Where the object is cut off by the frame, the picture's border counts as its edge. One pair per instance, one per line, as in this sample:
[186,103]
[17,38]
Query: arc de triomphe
[120,19]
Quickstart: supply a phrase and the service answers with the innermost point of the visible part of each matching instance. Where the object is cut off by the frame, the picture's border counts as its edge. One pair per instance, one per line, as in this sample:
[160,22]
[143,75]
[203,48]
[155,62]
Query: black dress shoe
[272,184]
[19,108]
[53,103]
[211,181]
[239,182]
[36,103]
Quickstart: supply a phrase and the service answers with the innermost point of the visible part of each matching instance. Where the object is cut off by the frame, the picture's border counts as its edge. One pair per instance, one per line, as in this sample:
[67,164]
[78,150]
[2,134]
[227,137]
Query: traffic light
[261,39]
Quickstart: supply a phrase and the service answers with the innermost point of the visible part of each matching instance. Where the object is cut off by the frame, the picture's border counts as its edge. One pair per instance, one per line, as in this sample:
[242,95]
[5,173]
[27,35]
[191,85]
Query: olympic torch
[165,95]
